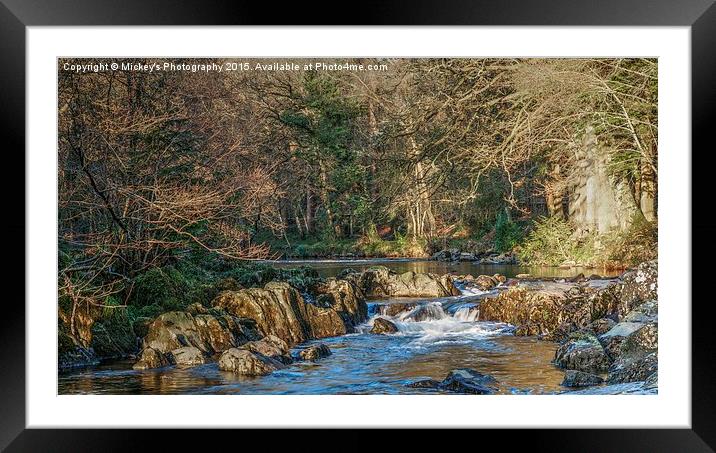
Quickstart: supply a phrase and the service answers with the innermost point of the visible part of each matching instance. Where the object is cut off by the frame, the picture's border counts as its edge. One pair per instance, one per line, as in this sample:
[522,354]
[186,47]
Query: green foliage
[162,286]
[549,243]
[507,233]
[636,245]
[552,242]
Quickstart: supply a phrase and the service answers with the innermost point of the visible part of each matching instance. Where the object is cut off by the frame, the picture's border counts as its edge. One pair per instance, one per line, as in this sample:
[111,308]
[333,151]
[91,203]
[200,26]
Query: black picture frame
[16,15]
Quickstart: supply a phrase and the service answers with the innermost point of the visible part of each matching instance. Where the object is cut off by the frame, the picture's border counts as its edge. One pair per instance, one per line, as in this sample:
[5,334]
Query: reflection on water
[330,268]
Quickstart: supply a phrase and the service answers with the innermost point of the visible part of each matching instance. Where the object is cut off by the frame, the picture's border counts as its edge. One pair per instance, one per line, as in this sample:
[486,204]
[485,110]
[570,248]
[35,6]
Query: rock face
[601,326]
[208,333]
[316,352]
[346,299]
[638,286]
[461,380]
[543,310]
[256,358]
[187,356]
[582,352]
[543,307]
[382,282]
[612,340]
[383,326]
[272,347]
[246,363]
[280,310]
[151,358]
[574,378]
[629,369]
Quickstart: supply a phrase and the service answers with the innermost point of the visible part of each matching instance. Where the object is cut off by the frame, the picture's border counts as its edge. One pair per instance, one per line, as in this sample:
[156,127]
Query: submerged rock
[246,363]
[574,378]
[424,384]
[383,326]
[465,380]
[583,352]
[461,380]
[315,352]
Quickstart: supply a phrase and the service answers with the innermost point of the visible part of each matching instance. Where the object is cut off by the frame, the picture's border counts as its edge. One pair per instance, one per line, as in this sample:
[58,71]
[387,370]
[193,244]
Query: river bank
[523,332]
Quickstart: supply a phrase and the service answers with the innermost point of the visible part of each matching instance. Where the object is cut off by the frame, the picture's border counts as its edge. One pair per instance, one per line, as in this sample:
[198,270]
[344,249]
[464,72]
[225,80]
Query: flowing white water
[467,313]
[429,322]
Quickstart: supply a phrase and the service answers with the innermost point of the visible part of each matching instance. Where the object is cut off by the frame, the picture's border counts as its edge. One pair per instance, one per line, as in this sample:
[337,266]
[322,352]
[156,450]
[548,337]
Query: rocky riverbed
[379,331]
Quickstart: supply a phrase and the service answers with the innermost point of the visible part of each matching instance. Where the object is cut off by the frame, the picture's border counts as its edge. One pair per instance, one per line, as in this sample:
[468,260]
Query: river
[448,337]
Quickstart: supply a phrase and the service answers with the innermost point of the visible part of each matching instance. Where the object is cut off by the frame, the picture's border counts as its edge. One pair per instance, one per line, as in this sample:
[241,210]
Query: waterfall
[467,313]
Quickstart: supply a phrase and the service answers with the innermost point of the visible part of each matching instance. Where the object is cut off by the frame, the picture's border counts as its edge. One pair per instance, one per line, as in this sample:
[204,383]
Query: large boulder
[583,352]
[208,333]
[543,309]
[382,326]
[246,363]
[382,282]
[279,309]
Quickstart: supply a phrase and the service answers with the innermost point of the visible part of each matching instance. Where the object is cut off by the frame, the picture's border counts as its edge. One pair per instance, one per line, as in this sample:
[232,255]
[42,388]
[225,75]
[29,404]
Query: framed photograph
[456,216]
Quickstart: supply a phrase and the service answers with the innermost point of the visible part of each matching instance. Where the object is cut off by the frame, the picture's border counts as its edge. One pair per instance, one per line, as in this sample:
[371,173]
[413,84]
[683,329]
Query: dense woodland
[160,168]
